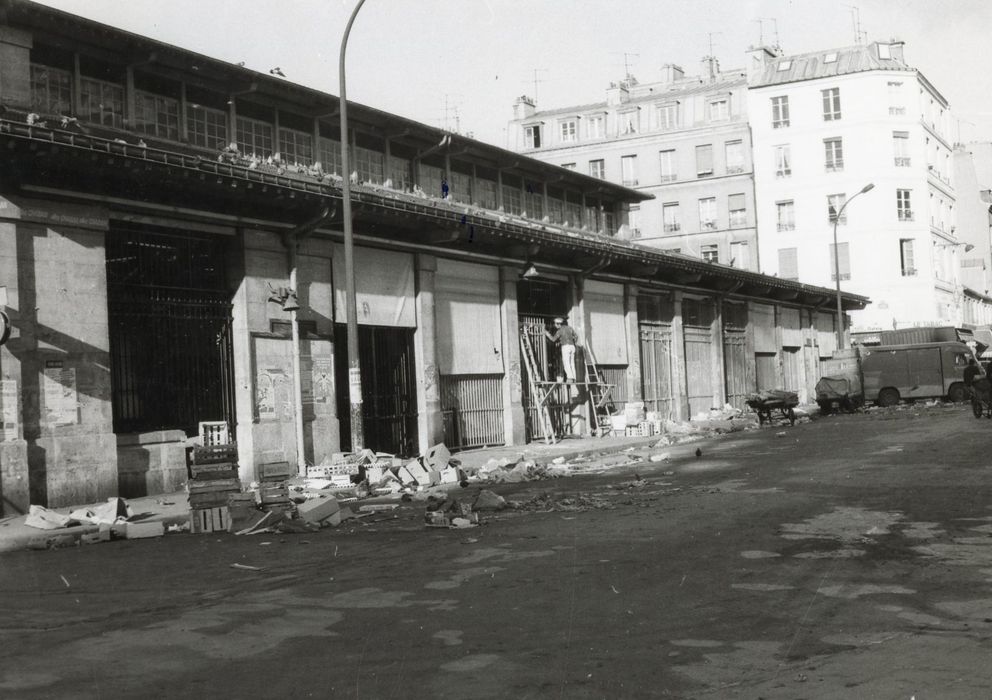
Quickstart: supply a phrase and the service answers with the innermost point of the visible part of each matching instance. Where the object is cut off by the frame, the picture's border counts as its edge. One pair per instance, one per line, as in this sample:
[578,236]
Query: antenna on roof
[710,36]
[774,29]
[626,62]
[860,37]
[761,31]
[536,81]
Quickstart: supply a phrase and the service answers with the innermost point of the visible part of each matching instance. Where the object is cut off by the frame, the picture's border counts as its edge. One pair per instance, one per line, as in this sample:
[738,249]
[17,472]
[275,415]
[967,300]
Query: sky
[461,64]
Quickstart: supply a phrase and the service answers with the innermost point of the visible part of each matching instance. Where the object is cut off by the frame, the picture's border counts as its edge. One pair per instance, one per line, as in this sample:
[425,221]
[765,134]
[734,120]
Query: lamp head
[867,188]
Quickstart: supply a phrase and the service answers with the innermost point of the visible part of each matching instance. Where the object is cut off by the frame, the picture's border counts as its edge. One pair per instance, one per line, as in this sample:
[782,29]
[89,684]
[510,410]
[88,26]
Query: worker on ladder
[567,338]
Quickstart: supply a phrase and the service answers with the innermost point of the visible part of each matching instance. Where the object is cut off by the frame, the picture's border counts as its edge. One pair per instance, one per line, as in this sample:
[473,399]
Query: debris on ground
[450,513]
[488,500]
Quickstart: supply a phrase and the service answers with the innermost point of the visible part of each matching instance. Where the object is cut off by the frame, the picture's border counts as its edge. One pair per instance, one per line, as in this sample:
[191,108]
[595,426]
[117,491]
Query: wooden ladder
[535,378]
[600,400]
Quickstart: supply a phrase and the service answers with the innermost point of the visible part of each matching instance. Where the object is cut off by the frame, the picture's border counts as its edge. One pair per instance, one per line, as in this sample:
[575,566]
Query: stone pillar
[719,379]
[514,421]
[430,427]
[634,388]
[680,399]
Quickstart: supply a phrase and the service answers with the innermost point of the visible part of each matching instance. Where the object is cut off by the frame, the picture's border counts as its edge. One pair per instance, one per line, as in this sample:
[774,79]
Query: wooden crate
[209,519]
[213,454]
[214,433]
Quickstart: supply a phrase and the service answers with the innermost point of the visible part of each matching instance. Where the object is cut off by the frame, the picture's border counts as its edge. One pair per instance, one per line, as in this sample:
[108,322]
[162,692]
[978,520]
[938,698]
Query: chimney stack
[711,68]
[523,108]
[671,73]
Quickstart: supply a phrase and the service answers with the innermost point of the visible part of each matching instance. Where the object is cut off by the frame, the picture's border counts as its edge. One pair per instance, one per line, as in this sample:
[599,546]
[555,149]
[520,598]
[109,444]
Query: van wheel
[956,393]
[888,397]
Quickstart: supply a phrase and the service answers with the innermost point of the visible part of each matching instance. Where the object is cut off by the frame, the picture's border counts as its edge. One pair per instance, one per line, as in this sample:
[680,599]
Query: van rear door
[925,376]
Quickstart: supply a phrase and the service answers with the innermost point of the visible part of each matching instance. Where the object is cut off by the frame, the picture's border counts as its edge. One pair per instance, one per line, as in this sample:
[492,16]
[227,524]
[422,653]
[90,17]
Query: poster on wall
[8,394]
[59,391]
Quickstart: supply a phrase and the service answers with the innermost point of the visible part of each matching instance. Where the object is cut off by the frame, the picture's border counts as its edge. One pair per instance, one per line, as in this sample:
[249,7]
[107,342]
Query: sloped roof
[810,66]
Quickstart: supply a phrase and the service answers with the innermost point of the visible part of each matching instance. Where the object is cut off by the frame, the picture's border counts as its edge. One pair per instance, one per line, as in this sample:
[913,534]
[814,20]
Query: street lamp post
[354,363]
[840,308]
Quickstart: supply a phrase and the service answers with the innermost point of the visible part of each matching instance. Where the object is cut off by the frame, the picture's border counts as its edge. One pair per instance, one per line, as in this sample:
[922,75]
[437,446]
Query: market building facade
[155,205]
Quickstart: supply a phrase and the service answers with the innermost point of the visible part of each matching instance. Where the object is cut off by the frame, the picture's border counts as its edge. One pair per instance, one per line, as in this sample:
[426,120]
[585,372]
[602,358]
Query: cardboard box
[317,510]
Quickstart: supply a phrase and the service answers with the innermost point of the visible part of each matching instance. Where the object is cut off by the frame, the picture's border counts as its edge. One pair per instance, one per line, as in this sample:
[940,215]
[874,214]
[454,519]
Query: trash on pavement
[114,510]
[488,500]
[44,519]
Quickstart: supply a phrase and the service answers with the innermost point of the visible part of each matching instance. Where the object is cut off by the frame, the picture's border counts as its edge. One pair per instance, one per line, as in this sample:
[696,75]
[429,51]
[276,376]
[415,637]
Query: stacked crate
[213,480]
[273,492]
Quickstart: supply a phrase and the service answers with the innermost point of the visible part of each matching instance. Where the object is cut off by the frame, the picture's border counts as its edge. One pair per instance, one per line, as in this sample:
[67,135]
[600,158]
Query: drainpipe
[292,239]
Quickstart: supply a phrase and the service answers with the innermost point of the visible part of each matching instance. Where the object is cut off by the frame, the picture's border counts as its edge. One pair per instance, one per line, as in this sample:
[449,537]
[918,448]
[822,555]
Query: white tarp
[384,287]
[607,330]
[466,303]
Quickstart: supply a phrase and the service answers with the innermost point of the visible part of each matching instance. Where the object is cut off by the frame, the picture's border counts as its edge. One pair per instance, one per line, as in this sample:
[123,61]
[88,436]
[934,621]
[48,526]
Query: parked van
[891,373]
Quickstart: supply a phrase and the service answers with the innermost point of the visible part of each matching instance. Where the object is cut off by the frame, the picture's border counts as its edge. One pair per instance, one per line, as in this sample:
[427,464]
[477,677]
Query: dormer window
[830,58]
[883,51]
[568,130]
[785,65]
[532,136]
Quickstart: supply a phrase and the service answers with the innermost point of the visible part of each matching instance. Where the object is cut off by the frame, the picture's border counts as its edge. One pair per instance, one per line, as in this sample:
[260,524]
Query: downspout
[292,239]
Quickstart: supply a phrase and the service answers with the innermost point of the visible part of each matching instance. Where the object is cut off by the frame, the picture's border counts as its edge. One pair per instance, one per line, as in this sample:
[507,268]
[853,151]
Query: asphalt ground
[848,557]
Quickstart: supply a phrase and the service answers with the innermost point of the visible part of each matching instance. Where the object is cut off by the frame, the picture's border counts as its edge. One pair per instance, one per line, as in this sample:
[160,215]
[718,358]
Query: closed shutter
[788,264]
[384,287]
[466,303]
[607,330]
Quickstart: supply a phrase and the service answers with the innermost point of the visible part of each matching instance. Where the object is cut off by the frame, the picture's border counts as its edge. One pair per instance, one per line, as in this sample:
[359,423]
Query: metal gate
[737,382]
[654,314]
[472,410]
[389,402]
[171,358]
[697,317]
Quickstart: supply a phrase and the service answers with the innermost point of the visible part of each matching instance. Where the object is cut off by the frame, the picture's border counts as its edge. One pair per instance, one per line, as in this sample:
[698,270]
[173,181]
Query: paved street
[849,557]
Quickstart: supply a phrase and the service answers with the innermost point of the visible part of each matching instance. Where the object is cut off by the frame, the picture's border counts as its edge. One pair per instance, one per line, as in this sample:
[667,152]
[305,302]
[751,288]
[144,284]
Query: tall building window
[904,209]
[206,127]
[400,178]
[103,103]
[296,148]
[897,103]
[719,109]
[485,195]
[906,258]
[532,136]
[740,255]
[595,127]
[628,171]
[51,90]
[568,166]
[900,147]
[156,115]
[785,215]
[629,122]
[833,154]
[597,168]
[780,112]
[254,138]
[634,220]
[670,217]
[788,263]
[835,202]
[831,104]
[734,151]
[330,158]
[512,200]
[738,210]
[667,162]
[569,130]
[710,252]
[783,161]
[666,116]
[430,179]
[707,214]
[369,165]
[843,260]
[704,160]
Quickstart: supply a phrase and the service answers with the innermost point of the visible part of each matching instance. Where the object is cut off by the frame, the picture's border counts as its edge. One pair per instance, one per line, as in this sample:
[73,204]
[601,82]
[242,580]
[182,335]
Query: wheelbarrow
[981,397]
[764,403]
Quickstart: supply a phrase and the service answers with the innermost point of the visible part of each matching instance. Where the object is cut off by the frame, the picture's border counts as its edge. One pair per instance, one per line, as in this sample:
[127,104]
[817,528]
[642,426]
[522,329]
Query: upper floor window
[710,252]
[788,263]
[906,258]
[831,104]
[783,161]
[719,109]
[296,147]
[904,209]
[568,130]
[897,104]
[785,215]
[629,122]
[835,202]
[330,158]
[704,160]
[833,154]
[666,116]
[830,57]
[900,148]
[398,173]
[666,160]
[206,127]
[707,214]
[596,127]
[780,112]
[597,168]
[628,171]
[738,210]
[102,102]
[532,136]
[634,220]
[842,261]
[670,217]
[735,157]
[568,166]
[156,115]
[51,90]
[369,164]
[255,138]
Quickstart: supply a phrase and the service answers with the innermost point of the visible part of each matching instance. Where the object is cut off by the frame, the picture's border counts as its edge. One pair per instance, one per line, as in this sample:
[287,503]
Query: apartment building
[683,139]
[861,122]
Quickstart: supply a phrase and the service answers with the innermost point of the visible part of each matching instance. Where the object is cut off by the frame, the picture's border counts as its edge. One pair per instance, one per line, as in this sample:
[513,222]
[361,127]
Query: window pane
[788,264]
[704,160]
